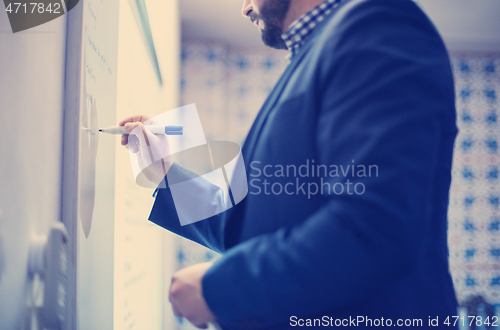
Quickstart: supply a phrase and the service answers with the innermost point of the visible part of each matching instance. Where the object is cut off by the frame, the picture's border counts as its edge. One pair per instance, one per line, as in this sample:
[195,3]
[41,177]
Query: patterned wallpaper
[229,87]
[473,217]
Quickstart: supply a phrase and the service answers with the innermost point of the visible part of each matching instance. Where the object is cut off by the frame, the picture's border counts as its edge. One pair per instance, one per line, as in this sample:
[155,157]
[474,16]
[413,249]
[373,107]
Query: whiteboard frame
[70,152]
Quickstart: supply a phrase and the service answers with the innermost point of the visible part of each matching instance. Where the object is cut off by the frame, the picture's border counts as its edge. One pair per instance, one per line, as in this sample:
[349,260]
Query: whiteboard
[115,68]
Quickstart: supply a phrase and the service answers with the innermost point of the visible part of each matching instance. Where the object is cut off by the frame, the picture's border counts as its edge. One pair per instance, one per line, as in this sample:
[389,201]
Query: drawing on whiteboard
[89,141]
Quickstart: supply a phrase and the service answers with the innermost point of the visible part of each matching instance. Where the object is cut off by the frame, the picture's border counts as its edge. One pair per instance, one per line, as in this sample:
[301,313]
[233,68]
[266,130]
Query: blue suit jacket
[371,86]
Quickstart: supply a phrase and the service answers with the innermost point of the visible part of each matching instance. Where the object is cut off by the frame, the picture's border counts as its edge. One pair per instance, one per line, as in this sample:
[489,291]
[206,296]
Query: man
[369,84]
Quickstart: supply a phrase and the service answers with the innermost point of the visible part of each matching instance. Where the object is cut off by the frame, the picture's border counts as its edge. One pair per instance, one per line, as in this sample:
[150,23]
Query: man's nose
[247,8]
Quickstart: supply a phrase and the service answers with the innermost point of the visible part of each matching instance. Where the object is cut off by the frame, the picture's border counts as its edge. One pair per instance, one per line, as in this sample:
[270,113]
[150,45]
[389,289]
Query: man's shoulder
[367,25]
[365,15]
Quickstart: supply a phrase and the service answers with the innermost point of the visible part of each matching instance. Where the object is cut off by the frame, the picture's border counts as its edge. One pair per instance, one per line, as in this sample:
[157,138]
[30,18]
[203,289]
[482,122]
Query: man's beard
[272,14]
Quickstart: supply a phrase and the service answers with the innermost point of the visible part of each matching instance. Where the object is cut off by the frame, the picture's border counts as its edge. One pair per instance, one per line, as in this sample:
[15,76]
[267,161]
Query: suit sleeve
[201,196]
[385,99]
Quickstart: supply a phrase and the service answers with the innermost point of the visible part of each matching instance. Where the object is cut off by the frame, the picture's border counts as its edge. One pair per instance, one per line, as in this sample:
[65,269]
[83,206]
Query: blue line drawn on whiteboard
[148,35]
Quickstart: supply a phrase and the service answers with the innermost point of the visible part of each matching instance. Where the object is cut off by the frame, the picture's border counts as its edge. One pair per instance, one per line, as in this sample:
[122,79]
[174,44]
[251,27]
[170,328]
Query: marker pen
[155,129]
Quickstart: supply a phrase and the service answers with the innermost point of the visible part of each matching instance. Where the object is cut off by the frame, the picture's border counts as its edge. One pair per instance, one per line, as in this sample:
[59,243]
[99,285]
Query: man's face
[269,16]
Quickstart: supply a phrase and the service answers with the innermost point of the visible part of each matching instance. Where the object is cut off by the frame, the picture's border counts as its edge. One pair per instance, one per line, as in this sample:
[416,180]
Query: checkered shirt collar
[299,30]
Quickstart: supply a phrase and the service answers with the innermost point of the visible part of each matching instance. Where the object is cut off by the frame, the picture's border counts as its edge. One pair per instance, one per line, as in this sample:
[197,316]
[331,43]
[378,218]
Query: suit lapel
[253,135]
[232,229]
